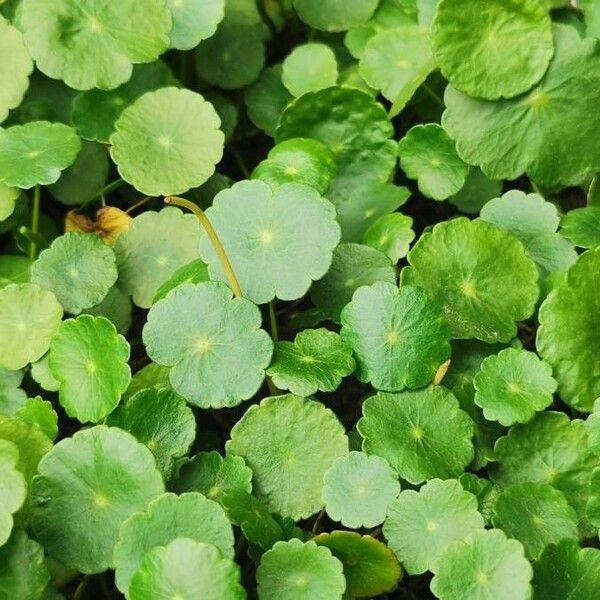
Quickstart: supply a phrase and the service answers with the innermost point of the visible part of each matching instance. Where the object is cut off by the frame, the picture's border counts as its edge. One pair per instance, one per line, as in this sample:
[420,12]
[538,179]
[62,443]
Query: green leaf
[354,126]
[8,197]
[94,112]
[399,336]
[193,272]
[536,514]
[420,525]
[29,318]
[317,359]
[334,15]
[14,269]
[370,568]
[496,49]
[167,142]
[186,569]
[566,571]
[484,566]
[86,487]
[397,62]
[530,133]
[116,307]
[233,57]
[266,99]
[11,396]
[212,475]
[391,234]
[549,449]
[152,375]
[152,249]
[352,267]
[484,490]
[582,226]
[309,68]
[428,155]
[165,519]
[422,434]
[89,359]
[297,571]
[512,385]
[480,274]
[477,190]
[289,461]
[16,68]
[40,413]
[364,205]
[358,489]
[13,488]
[204,335]
[160,420]
[23,573]
[36,153]
[89,45]
[257,524]
[259,226]
[194,21]
[298,160]
[78,268]
[566,337]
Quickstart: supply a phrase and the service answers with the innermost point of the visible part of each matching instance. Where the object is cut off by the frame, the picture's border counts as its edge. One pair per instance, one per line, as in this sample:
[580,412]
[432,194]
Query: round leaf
[420,525]
[496,49]
[582,226]
[317,359]
[512,385]
[289,462]
[162,421]
[13,488]
[86,487]
[205,335]
[335,15]
[194,21]
[167,142]
[480,274]
[536,514]
[297,571]
[165,519]
[370,568]
[78,268]
[428,155]
[309,68]
[358,489]
[93,44]
[35,153]
[421,434]
[29,318]
[186,569]
[194,272]
[391,234]
[485,566]
[477,190]
[89,360]
[399,336]
[259,226]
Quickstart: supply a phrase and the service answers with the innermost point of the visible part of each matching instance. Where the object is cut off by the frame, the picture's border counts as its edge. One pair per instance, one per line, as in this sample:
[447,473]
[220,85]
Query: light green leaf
[391,234]
[309,68]
[187,570]
[205,335]
[289,461]
[582,226]
[259,226]
[116,307]
[194,21]
[167,142]
[12,397]
[420,525]
[36,153]
[8,197]
[193,272]
[297,571]
[399,336]
[13,488]
[86,487]
[29,318]
[495,48]
[165,519]
[422,434]
[89,359]
[78,268]
[358,490]
[335,15]
[480,274]
[40,413]
[88,43]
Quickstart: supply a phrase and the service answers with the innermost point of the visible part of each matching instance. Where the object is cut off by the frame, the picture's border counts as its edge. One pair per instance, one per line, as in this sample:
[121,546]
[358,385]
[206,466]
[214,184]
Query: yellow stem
[214,238]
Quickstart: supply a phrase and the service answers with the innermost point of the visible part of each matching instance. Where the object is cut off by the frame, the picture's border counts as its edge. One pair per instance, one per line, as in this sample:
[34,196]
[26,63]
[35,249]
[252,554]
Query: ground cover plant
[299,299]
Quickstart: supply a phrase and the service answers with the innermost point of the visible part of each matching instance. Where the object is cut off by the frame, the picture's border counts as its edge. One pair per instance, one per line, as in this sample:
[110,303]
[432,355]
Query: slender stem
[81,588]
[433,95]
[536,188]
[441,373]
[317,523]
[138,204]
[214,239]
[273,319]
[592,194]
[107,189]
[35,221]
[240,162]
